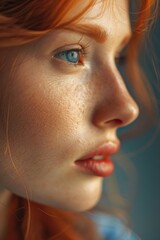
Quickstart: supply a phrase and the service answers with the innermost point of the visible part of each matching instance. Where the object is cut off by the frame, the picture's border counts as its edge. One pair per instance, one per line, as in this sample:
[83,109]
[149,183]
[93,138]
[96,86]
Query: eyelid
[67,48]
[73,47]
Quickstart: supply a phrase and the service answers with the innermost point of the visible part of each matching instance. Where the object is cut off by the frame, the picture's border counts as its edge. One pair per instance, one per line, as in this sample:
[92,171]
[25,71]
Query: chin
[81,197]
[85,206]
[78,199]
[81,203]
[77,206]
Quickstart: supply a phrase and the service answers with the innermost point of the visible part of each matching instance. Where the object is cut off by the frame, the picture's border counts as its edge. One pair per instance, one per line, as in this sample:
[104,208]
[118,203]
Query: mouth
[98,161]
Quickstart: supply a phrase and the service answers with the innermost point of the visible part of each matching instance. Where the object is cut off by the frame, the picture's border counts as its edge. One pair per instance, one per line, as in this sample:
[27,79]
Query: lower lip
[101,168]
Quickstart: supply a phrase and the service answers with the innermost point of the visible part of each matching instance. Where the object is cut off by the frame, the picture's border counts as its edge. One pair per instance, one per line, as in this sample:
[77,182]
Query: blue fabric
[112,228]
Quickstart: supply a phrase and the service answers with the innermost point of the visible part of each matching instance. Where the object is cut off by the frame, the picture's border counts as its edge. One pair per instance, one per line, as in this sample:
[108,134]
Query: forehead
[105,18]
[109,11]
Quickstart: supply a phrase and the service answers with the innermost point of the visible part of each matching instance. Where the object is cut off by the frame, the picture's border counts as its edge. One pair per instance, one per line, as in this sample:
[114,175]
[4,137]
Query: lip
[101,167]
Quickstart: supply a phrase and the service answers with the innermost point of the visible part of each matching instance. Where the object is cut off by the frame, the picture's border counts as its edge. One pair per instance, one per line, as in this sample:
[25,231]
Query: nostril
[119,112]
[115,122]
[118,122]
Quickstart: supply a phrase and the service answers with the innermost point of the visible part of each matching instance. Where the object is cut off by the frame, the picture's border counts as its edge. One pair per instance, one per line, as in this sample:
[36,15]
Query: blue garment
[112,228]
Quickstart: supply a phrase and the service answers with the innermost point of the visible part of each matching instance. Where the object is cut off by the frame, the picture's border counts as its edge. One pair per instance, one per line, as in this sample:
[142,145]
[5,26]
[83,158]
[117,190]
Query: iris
[71,56]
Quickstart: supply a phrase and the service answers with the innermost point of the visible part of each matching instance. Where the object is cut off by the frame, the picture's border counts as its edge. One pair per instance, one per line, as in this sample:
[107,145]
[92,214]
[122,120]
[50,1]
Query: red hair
[25,21]
[146,16]
[45,223]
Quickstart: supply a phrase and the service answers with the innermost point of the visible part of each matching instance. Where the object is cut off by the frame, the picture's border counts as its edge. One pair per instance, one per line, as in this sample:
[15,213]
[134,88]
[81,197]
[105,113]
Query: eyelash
[68,54]
[82,52]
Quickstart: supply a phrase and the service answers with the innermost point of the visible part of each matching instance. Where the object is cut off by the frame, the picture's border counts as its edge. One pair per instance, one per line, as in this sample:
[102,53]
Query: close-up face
[63,99]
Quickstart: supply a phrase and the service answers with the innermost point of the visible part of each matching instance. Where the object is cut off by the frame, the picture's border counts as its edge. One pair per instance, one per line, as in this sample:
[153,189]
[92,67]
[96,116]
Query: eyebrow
[94,31]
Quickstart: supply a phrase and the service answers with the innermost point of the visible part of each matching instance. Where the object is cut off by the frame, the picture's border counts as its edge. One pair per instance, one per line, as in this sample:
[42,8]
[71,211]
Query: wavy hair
[22,22]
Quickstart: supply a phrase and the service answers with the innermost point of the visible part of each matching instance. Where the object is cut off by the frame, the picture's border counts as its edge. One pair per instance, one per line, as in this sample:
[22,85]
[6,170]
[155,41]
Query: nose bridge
[116,104]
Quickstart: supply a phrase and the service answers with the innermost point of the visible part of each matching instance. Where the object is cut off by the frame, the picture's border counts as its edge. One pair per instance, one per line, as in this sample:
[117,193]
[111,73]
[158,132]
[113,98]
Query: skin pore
[65,98]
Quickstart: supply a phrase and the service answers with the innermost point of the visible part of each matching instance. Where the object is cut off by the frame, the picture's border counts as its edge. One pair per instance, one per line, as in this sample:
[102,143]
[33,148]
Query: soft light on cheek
[44,121]
[48,116]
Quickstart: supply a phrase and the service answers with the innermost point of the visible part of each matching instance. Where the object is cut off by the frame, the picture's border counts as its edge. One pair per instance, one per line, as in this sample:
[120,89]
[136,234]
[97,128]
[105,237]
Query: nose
[115,106]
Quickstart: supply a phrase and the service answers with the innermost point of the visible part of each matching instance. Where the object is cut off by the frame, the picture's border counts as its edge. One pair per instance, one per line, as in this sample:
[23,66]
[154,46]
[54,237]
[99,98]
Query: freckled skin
[59,112]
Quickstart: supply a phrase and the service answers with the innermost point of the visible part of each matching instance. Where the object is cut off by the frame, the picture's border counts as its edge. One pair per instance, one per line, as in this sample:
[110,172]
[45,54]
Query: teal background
[138,177]
[145,210]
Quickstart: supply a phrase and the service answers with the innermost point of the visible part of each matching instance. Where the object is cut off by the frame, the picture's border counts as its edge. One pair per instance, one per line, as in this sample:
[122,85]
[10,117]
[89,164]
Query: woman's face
[65,98]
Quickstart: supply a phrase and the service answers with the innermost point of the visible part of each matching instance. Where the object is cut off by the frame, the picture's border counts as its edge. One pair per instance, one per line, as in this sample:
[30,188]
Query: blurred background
[145,196]
[137,174]
[145,214]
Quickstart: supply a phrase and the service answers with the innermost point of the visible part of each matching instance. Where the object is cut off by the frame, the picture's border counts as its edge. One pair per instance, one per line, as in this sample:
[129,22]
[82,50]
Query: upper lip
[106,149]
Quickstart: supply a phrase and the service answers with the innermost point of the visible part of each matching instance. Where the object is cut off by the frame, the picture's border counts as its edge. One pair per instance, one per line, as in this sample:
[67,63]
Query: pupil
[73,56]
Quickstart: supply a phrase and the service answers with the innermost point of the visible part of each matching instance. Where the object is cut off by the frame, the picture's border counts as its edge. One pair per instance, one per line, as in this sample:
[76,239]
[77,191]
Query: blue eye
[72,56]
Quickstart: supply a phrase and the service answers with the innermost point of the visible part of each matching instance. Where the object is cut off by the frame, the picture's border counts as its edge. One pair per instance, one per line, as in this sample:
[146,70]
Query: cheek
[46,119]
[46,132]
